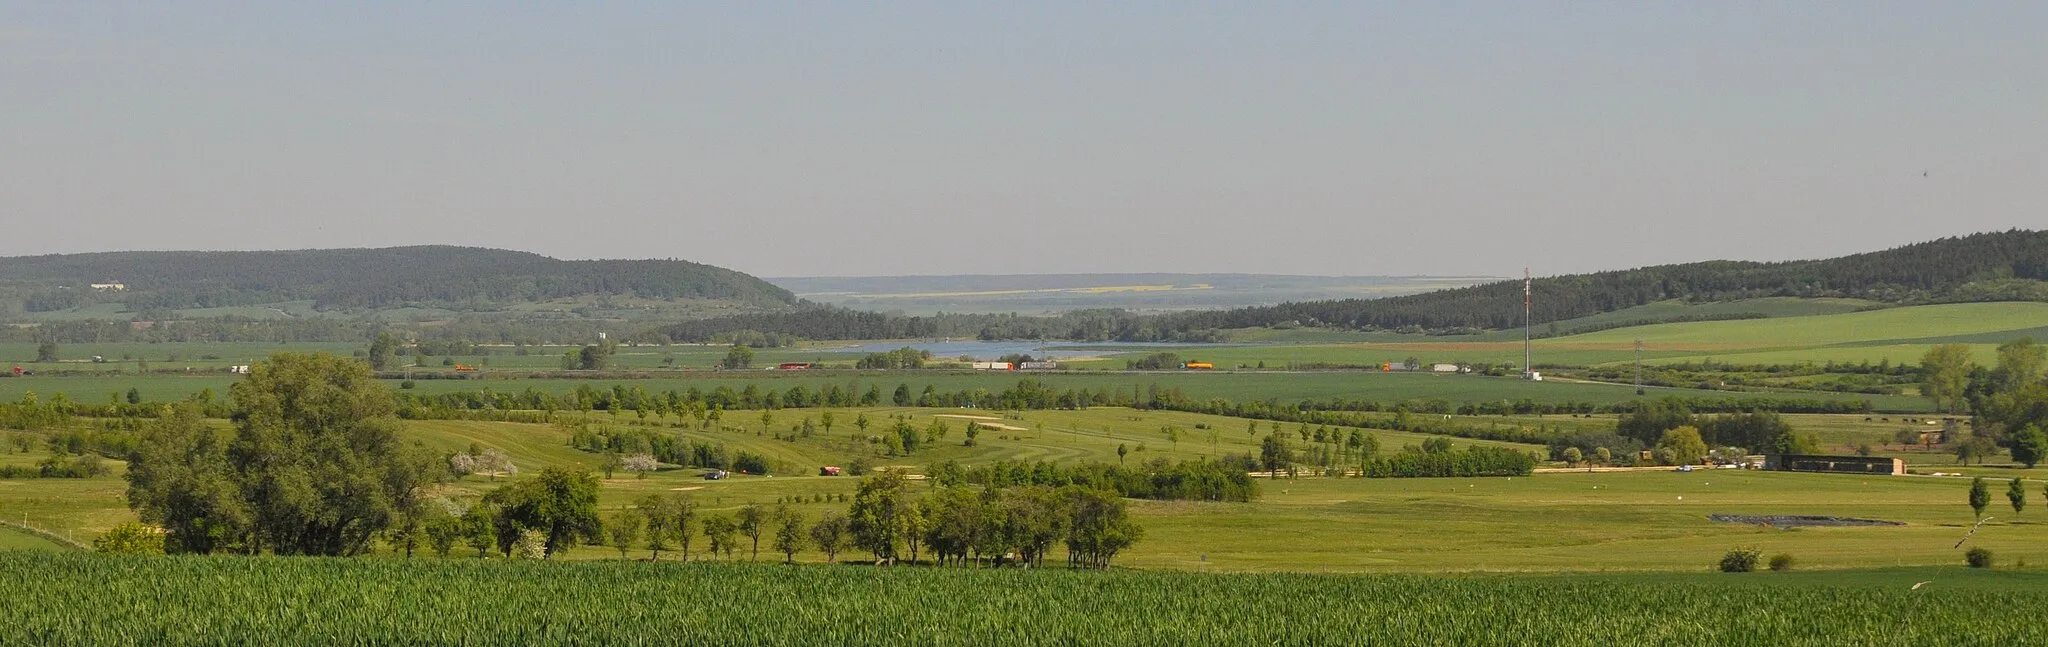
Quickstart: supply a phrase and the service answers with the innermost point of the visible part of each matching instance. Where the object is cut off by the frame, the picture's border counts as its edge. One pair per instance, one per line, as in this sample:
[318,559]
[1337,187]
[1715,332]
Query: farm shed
[1838,464]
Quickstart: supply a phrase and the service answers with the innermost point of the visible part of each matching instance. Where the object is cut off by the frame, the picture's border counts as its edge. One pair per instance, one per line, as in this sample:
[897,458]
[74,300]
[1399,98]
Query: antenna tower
[1528,370]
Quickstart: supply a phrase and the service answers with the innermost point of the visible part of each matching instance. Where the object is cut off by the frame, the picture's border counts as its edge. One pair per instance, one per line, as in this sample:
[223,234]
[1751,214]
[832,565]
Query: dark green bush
[1978,558]
[1740,560]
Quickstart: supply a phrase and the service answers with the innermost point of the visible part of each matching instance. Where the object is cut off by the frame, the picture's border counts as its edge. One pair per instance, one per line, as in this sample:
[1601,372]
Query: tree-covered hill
[2001,266]
[372,278]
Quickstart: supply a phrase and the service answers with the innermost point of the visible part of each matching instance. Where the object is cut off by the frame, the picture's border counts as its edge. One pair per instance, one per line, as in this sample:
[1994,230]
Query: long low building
[1837,464]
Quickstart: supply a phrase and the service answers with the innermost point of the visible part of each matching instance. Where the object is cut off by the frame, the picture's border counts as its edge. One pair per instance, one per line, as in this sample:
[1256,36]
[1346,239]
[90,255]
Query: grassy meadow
[1571,521]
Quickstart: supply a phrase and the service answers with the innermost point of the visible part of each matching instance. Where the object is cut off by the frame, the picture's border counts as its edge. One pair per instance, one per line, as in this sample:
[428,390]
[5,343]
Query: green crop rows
[79,599]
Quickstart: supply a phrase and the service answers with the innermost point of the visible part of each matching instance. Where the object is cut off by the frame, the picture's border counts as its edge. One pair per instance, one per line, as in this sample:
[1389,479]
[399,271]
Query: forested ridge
[2000,266]
[367,278]
[1977,267]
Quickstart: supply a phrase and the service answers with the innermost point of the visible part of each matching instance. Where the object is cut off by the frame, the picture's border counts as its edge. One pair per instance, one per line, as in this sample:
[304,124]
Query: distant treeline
[814,321]
[1478,460]
[2008,265]
[1156,479]
[365,278]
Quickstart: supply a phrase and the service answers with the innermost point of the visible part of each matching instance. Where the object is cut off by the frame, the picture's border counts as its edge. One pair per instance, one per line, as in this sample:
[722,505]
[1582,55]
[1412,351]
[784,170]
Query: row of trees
[1649,424]
[1159,478]
[959,522]
[2015,494]
[1444,461]
[312,466]
[953,524]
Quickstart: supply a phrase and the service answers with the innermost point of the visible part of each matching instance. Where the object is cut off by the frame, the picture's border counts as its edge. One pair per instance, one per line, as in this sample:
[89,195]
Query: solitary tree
[1980,496]
[558,503]
[442,533]
[1684,445]
[1273,454]
[641,464]
[789,533]
[830,535]
[384,352]
[2030,445]
[480,529]
[739,356]
[314,467]
[2017,494]
[753,520]
[660,512]
[624,529]
[1945,376]
[721,532]
[879,518]
[2020,363]
[685,512]
[46,352]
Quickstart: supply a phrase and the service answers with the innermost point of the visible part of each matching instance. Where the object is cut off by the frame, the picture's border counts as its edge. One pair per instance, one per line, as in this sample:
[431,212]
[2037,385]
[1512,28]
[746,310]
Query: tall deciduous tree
[624,528]
[1945,376]
[753,521]
[830,535]
[1098,526]
[1980,496]
[384,352]
[315,466]
[880,517]
[1274,454]
[179,479]
[2016,493]
[660,512]
[1684,444]
[789,533]
[559,503]
[738,356]
[2030,445]
[685,523]
[2020,363]
[722,533]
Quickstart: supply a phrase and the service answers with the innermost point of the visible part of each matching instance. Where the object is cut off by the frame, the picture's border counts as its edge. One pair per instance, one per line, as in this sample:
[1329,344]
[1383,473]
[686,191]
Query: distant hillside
[1053,293]
[359,278]
[2002,266]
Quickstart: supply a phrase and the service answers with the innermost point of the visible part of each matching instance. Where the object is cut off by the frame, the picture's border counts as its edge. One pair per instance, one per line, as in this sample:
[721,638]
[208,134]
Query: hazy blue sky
[969,137]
